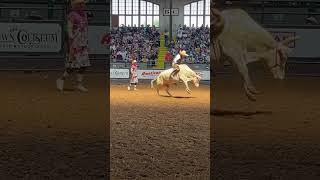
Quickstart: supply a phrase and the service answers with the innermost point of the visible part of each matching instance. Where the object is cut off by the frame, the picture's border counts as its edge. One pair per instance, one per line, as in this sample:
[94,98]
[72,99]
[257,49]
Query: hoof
[251,97]
[254,91]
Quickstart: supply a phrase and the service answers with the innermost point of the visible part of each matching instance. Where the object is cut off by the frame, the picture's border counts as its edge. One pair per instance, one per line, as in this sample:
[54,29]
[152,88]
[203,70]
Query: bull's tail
[152,82]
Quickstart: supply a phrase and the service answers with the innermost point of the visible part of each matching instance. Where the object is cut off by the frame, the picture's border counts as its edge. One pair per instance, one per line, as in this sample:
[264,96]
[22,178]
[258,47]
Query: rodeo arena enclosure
[160,89]
[265,115]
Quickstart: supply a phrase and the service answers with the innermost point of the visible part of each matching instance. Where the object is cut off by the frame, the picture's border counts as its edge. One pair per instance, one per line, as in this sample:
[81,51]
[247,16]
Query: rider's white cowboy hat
[183,53]
[134,61]
[74,2]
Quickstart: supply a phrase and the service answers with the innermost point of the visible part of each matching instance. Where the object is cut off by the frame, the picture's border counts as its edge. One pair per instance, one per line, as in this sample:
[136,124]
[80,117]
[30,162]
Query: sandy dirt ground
[48,135]
[156,137]
[283,145]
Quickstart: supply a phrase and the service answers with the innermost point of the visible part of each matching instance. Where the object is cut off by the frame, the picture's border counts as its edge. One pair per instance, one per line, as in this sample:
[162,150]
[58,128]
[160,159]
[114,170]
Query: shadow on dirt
[222,112]
[178,97]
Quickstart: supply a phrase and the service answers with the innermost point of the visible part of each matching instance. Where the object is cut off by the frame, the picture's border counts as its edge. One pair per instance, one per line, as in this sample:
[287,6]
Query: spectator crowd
[196,41]
[142,43]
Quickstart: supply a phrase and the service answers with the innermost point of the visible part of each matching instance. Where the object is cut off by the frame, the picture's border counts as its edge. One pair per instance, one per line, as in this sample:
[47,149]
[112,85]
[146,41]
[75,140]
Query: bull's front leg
[248,86]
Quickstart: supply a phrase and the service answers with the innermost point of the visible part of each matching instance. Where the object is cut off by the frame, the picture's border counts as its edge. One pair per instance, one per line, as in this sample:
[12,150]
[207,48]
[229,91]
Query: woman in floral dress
[133,75]
[78,58]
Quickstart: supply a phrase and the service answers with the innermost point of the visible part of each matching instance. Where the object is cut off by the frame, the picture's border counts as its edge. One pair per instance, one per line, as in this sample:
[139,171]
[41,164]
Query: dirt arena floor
[48,135]
[156,137]
[283,145]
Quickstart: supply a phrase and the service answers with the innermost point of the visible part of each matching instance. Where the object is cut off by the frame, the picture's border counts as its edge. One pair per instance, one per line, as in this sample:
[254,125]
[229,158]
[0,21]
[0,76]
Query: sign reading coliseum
[30,37]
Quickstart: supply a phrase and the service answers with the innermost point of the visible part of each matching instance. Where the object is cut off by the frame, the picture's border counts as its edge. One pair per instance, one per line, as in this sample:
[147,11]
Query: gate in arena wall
[32,34]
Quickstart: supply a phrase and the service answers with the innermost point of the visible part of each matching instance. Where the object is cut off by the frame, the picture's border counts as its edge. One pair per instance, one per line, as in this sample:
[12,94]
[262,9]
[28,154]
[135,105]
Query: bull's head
[277,58]
[196,80]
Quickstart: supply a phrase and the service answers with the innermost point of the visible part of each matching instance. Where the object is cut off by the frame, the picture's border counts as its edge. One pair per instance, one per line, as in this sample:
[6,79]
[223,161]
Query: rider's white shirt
[176,59]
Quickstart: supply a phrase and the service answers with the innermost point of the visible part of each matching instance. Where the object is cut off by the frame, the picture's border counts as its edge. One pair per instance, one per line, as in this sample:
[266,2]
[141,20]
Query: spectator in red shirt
[168,56]
[106,39]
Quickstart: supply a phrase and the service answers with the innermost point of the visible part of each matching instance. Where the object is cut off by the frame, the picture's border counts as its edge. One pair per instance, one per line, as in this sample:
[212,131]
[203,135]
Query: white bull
[185,74]
[239,39]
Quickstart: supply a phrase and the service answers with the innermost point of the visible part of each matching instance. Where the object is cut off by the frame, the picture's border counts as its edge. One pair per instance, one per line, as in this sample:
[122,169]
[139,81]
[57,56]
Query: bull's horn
[218,25]
[289,40]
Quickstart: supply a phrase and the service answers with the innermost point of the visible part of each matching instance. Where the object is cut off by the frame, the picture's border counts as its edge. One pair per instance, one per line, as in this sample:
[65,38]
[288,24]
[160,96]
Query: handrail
[35,7]
[28,2]
[50,8]
[276,3]
[29,21]
[281,12]
[291,26]
[46,2]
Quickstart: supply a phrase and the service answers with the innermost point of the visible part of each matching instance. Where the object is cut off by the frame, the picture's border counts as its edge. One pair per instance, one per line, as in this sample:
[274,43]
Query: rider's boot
[174,73]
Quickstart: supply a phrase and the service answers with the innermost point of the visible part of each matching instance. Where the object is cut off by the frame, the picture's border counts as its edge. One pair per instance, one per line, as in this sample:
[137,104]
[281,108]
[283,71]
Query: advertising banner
[307,44]
[205,75]
[148,74]
[119,73]
[151,74]
[30,37]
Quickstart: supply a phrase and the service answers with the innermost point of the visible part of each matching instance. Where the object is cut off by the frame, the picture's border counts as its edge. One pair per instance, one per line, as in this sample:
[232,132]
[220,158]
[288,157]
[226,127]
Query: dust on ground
[283,144]
[160,137]
[45,134]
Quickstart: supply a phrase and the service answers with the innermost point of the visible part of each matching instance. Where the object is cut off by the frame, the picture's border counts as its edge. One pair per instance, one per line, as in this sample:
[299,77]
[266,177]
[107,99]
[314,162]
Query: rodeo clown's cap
[183,53]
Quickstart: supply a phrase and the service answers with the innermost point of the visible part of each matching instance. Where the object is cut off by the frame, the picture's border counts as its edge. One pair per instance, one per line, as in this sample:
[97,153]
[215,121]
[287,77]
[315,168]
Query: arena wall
[150,74]
[44,60]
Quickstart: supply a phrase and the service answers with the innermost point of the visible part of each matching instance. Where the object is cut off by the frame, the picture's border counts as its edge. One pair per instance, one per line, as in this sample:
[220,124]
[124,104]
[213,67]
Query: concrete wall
[176,20]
